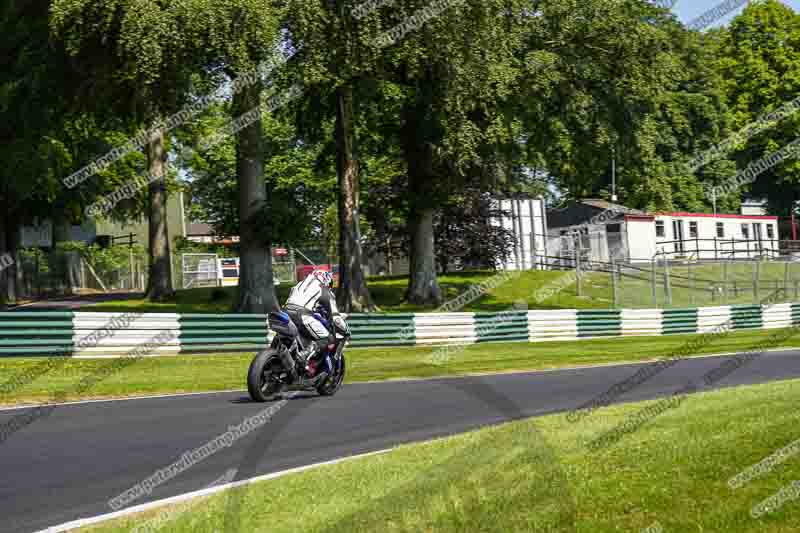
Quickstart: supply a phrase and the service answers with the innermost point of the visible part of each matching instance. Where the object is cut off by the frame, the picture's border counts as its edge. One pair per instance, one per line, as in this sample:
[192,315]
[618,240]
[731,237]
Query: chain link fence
[42,273]
[668,283]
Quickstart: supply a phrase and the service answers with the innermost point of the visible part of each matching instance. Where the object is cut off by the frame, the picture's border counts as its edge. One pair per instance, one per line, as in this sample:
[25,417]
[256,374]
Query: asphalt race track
[68,465]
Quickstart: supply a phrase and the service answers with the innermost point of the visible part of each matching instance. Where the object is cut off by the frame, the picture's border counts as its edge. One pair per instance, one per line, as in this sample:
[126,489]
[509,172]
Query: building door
[757,236]
[616,246]
[677,232]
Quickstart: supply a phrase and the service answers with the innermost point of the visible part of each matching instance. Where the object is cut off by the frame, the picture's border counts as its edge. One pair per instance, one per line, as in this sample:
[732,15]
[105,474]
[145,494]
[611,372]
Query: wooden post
[131,274]
[99,281]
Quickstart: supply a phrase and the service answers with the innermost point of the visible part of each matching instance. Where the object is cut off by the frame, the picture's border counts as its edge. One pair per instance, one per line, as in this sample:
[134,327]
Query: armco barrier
[76,333]
[34,333]
[382,330]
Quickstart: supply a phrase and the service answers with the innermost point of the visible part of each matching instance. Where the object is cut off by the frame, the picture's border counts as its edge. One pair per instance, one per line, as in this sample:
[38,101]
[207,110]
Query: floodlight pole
[613,175]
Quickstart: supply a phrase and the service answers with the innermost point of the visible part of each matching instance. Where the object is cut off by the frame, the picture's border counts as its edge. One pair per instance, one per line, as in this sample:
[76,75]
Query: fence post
[756,274]
[653,280]
[716,254]
[38,276]
[667,286]
[725,282]
[786,281]
[613,282]
[131,274]
[691,283]
[578,287]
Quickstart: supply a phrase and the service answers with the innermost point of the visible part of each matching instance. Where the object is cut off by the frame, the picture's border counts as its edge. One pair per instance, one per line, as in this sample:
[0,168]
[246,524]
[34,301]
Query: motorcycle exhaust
[288,362]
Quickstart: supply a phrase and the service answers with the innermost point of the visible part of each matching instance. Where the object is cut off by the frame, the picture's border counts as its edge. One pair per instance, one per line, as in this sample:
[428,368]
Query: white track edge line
[203,492]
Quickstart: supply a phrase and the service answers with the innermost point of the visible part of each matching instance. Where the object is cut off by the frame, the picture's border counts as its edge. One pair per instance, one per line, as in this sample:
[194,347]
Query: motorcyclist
[312,295]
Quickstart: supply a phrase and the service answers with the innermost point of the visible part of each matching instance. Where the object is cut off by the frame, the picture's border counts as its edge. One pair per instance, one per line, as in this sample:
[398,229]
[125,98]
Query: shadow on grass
[474,487]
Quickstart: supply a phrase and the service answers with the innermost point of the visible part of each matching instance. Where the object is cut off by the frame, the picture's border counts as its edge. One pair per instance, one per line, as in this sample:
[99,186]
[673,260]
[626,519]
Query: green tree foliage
[43,131]
[240,35]
[760,65]
[138,56]
[614,78]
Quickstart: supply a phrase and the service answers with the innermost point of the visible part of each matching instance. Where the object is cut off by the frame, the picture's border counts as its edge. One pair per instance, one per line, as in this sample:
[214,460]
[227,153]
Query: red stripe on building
[711,215]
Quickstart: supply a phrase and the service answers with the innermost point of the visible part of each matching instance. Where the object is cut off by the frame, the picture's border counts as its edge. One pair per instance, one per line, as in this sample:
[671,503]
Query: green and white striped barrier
[96,334]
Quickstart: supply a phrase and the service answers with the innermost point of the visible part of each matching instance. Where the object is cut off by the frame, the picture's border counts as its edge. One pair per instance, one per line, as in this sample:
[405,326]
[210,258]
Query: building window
[770,232]
[660,228]
[720,230]
[745,231]
[692,230]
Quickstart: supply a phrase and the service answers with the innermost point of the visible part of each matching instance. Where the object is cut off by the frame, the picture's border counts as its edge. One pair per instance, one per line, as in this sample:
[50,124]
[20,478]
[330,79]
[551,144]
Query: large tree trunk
[352,294]
[256,285]
[8,272]
[58,258]
[423,287]
[159,285]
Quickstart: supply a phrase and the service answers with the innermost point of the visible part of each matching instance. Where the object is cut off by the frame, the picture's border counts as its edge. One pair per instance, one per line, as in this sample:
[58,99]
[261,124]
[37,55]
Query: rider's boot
[309,352]
[306,355]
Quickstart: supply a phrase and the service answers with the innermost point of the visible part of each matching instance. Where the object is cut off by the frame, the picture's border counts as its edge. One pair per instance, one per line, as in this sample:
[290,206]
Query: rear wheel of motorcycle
[260,383]
[334,382]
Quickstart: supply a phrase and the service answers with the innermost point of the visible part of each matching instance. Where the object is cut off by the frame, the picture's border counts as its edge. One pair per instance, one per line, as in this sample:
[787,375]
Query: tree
[333,68]
[760,65]
[455,71]
[238,36]
[291,212]
[140,57]
[41,130]
[624,80]
[465,235]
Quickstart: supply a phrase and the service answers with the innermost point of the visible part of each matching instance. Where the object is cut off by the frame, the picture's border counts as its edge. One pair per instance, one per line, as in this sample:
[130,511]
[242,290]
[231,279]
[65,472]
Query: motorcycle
[270,371]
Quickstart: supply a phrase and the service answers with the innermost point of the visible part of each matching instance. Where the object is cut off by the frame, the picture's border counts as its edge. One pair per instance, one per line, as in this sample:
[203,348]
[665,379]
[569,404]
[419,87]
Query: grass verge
[387,293]
[160,375]
[692,285]
[537,475]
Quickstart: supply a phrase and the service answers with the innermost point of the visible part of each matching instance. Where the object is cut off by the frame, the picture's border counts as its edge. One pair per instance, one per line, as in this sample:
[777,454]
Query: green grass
[201,300]
[387,293]
[224,372]
[536,475]
[690,287]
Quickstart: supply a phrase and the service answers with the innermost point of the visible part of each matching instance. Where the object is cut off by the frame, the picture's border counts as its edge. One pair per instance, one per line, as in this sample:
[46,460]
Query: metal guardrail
[66,333]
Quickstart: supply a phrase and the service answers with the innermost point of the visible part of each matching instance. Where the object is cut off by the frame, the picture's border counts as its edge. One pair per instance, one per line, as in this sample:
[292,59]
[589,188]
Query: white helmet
[324,277]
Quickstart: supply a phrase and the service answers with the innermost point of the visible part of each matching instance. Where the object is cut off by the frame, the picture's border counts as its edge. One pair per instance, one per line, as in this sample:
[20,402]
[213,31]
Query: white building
[751,206]
[701,236]
[527,221]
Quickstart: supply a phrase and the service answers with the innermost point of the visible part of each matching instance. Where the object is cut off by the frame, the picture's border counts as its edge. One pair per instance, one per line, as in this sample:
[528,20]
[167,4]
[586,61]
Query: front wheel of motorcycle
[333,382]
[261,381]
